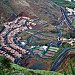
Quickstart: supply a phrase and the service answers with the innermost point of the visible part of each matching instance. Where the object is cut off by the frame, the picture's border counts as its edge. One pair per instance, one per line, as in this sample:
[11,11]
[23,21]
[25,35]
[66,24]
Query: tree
[65,44]
[5,65]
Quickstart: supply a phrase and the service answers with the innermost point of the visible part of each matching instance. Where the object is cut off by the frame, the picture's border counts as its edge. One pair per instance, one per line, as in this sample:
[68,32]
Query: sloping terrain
[65,3]
[18,70]
[44,9]
[5,9]
[5,12]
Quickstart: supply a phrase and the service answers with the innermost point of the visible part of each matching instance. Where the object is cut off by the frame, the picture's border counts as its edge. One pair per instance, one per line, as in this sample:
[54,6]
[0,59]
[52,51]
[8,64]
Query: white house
[70,11]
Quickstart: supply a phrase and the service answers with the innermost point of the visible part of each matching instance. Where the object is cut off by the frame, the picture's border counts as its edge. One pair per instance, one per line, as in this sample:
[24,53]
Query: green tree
[5,65]
[65,44]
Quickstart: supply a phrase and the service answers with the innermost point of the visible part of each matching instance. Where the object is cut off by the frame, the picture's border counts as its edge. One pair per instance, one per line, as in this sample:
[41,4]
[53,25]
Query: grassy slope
[43,72]
[65,3]
[18,70]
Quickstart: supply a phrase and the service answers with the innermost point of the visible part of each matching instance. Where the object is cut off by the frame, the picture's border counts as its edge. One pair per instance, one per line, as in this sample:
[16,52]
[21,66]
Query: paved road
[57,62]
[59,31]
[64,13]
[60,58]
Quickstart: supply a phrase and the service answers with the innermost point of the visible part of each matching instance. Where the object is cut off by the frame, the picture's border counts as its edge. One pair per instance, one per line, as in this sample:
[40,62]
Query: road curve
[64,13]
[60,58]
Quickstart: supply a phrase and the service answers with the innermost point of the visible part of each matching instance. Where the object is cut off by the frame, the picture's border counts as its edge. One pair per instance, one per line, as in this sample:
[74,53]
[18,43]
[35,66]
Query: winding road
[69,23]
[11,48]
[62,56]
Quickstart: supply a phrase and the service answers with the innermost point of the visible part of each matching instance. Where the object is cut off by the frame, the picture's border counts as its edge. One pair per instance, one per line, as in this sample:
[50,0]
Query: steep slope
[5,9]
[65,3]
[44,9]
[5,12]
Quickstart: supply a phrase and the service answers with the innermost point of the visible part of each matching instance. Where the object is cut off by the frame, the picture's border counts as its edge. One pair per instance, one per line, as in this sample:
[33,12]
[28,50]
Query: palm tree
[5,65]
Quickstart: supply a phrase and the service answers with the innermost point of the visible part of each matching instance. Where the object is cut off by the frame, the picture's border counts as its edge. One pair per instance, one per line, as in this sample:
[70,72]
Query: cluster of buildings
[70,41]
[9,48]
[70,11]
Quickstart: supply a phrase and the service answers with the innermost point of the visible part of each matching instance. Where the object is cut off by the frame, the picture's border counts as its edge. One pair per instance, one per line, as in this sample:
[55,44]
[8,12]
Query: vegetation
[70,34]
[65,3]
[4,65]
[8,68]
[65,45]
[72,70]
[34,72]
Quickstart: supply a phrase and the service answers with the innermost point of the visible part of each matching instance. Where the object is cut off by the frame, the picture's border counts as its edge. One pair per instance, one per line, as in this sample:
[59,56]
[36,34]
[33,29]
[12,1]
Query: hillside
[5,12]
[5,9]
[18,70]
[44,9]
[34,72]
[65,3]
[33,38]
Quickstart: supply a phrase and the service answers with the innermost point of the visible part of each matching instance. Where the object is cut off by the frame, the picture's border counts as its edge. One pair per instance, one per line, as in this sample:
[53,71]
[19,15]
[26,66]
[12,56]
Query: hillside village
[39,35]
